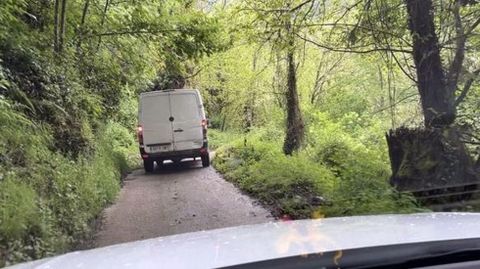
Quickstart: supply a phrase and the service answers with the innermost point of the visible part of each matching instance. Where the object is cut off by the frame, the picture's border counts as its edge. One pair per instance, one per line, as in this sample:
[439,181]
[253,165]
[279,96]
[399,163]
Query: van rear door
[186,108]
[157,128]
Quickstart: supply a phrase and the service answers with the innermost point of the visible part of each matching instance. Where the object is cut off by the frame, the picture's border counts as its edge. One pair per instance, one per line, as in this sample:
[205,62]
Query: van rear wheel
[205,160]
[148,165]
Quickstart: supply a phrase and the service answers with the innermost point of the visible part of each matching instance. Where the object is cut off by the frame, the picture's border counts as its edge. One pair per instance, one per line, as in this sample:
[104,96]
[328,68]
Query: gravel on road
[176,199]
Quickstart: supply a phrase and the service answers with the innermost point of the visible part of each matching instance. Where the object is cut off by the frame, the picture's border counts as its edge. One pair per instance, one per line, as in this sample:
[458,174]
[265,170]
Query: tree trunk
[102,22]
[278,82]
[248,109]
[429,161]
[63,21]
[224,120]
[55,25]
[318,86]
[295,127]
[84,13]
[81,28]
[437,100]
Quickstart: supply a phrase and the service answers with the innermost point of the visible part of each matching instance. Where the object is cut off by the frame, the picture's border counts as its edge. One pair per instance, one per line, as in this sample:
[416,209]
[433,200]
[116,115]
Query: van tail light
[204,128]
[140,134]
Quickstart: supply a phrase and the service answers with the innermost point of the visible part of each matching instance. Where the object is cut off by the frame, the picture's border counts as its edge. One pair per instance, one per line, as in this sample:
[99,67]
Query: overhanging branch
[456,65]
[352,50]
[466,87]
[132,32]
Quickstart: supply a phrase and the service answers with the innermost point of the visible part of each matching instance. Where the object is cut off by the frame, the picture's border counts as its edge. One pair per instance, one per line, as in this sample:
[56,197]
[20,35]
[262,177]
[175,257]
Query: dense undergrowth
[66,134]
[338,173]
[46,199]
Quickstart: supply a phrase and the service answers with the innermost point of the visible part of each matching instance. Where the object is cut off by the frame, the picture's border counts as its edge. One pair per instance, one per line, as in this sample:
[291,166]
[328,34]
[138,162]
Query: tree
[55,26]
[450,163]
[63,26]
[422,157]
[379,26]
[436,85]
[295,127]
[278,23]
[437,99]
[81,28]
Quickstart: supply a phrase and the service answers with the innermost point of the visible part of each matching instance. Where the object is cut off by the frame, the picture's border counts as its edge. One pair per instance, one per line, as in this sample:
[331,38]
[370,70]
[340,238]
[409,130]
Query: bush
[47,199]
[217,138]
[288,184]
[18,205]
[335,175]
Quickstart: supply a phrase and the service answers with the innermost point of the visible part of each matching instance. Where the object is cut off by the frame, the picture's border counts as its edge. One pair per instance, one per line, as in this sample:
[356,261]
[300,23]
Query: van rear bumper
[191,153]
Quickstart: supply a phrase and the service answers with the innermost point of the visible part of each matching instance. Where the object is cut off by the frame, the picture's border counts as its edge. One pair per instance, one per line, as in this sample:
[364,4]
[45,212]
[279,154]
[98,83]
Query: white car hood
[251,243]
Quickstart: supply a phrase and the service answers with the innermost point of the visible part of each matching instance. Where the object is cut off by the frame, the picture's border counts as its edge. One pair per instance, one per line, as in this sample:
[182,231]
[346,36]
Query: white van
[172,126]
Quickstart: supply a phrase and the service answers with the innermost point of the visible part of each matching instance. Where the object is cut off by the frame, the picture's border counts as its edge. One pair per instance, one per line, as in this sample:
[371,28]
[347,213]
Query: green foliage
[124,147]
[336,175]
[46,199]
[217,138]
[284,183]
[9,16]
[18,206]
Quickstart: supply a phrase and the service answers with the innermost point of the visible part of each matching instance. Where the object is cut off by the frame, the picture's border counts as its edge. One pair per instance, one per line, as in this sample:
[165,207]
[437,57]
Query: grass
[329,178]
[47,200]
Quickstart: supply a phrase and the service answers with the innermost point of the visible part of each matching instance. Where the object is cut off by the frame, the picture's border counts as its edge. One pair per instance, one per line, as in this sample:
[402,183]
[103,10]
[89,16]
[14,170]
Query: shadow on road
[169,167]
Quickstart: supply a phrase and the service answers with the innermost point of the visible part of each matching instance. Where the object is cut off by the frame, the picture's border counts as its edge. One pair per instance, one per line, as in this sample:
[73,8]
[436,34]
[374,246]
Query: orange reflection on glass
[337,257]
[317,214]
[306,239]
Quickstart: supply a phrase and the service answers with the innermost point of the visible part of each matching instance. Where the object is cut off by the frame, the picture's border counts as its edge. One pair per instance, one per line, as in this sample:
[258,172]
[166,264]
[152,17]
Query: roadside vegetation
[304,99]
[70,74]
[47,199]
[335,175]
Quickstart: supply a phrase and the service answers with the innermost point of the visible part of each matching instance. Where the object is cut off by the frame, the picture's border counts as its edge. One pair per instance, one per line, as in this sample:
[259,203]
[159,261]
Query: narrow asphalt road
[176,199]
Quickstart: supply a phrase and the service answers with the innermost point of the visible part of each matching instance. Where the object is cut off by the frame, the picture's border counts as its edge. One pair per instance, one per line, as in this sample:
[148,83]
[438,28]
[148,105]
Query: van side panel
[155,114]
[187,111]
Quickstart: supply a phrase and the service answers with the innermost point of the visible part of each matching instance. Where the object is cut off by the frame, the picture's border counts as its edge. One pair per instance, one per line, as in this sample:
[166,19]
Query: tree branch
[281,10]
[456,65]
[346,25]
[472,27]
[301,5]
[468,33]
[467,87]
[132,32]
[394,104]
[194,74]
[409,75]
[352,50]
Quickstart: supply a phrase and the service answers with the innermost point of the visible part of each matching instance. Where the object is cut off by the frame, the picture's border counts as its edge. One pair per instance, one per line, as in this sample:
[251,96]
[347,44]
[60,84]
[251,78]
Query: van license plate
[159,148]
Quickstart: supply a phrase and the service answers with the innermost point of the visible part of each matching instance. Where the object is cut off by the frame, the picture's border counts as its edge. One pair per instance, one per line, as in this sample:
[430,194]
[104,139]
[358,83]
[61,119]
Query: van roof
[168,90]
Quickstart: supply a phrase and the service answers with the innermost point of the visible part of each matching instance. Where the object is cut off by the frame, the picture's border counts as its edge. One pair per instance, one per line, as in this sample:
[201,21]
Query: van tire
[205,160]
[148,165]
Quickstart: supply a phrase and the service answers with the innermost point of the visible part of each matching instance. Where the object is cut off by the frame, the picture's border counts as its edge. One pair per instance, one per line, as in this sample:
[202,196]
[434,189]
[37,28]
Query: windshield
[125,120]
